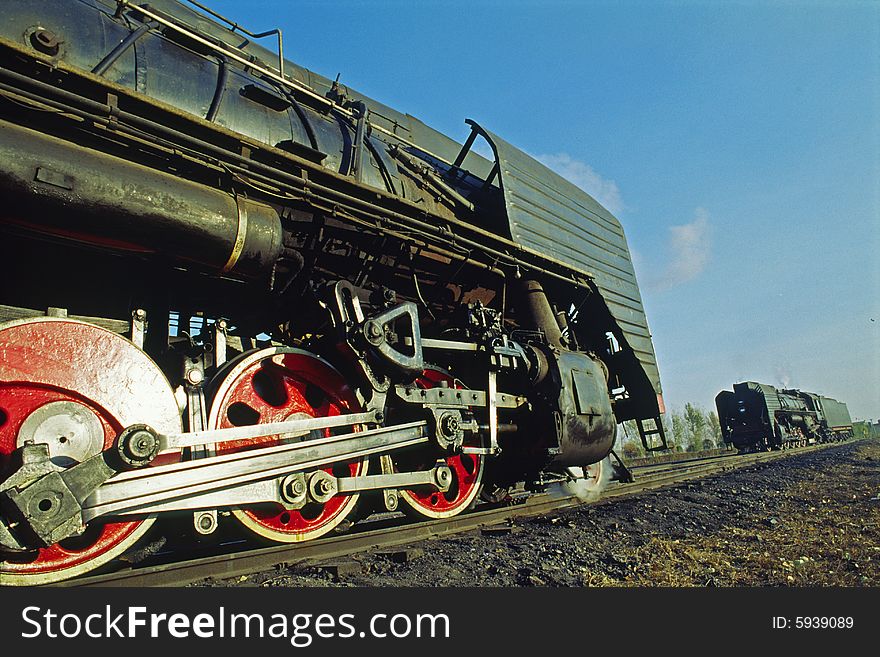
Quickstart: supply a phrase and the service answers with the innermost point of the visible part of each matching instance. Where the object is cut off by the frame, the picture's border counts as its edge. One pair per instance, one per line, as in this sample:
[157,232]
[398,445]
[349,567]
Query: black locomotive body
[234,287]
[757,416]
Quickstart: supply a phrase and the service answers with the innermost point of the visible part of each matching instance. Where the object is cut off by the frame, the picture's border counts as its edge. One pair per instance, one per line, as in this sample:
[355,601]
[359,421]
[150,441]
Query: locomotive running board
[158,488]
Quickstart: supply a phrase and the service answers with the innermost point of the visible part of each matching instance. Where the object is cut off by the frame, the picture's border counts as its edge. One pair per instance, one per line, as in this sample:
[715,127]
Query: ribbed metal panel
[552,216]
[836,413]
[771,396]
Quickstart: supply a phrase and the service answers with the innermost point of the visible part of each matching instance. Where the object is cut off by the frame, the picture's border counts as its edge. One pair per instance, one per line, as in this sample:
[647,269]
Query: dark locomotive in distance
[236,291]
[757,417]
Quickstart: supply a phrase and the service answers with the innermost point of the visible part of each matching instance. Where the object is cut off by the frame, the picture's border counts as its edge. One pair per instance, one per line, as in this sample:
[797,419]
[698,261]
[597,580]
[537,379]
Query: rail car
[756,416]
[235,291]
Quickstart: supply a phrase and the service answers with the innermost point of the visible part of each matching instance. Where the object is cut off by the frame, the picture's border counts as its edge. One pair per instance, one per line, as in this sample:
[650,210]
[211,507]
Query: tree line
[689,429]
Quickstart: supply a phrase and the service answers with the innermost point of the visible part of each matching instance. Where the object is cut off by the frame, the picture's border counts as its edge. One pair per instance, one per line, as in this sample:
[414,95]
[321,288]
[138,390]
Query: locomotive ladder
[653,438]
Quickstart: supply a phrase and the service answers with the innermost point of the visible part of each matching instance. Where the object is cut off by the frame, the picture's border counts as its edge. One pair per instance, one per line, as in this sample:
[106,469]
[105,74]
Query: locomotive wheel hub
[72,431]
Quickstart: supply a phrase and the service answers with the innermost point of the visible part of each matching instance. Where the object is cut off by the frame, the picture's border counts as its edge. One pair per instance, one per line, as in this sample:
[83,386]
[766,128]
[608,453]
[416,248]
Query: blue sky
[738,143]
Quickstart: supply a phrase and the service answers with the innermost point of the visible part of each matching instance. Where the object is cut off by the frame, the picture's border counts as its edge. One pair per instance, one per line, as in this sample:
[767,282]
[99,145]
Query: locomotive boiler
[757,416]
[236,291]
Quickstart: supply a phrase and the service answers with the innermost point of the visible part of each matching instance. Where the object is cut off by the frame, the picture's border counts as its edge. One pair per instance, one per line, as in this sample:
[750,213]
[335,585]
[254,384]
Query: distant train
[758,417]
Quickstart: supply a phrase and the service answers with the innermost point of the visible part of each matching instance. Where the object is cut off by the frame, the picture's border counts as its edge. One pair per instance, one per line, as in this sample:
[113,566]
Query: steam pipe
[540,314]
[110,59]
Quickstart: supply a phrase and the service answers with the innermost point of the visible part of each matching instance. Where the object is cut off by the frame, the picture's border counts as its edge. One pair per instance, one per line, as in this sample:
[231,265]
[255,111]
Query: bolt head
[142,443]
[195,377]
[45,41]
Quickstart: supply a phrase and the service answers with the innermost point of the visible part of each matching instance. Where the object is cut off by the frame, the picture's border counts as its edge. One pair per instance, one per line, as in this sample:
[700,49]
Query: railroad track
[378,534]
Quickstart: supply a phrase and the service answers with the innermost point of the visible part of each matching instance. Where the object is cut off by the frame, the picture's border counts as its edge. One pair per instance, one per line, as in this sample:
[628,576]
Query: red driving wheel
[74,386]
[275,385]
[467,470]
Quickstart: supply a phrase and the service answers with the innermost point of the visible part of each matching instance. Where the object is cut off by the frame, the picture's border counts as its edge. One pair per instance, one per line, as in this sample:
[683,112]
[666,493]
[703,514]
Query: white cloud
[691,247]
[584,176]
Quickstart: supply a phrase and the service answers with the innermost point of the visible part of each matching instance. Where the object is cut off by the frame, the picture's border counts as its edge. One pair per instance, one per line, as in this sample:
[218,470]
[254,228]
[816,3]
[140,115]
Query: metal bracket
[220,327]
[205,522]
[346,308]
[138,327]
[196,407]
[507,354]
[347,314]
[363,333]
[390,496]
[493,412]
[46,502]
[457,398]
[375,334]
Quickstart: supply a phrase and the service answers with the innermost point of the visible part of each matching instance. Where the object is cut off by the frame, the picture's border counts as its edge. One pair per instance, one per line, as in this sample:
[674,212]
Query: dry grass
[826,533]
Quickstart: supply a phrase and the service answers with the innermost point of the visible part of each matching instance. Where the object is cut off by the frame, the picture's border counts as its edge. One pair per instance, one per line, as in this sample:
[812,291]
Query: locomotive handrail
[233,26]
[268,73]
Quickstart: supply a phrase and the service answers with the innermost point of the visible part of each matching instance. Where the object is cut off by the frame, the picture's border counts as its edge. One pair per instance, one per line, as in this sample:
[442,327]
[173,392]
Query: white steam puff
[585,177]
[582,485]
[691,247]
[783,376]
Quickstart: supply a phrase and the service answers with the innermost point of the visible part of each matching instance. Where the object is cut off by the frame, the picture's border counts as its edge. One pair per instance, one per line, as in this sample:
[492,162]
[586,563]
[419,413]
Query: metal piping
[247,63]
[220,91]
[102,112]
[540,314]
[233,26]
[110,59]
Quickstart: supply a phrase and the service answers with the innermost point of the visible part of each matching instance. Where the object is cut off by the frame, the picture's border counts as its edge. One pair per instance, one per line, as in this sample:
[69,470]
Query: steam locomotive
[237,291]
[758,417]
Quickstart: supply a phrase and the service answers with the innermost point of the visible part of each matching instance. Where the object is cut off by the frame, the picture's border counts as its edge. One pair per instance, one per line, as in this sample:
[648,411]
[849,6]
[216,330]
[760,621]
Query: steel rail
[237,564]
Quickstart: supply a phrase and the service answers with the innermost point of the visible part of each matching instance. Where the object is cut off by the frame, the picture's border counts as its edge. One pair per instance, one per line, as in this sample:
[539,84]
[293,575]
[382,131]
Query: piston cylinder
[586,426]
